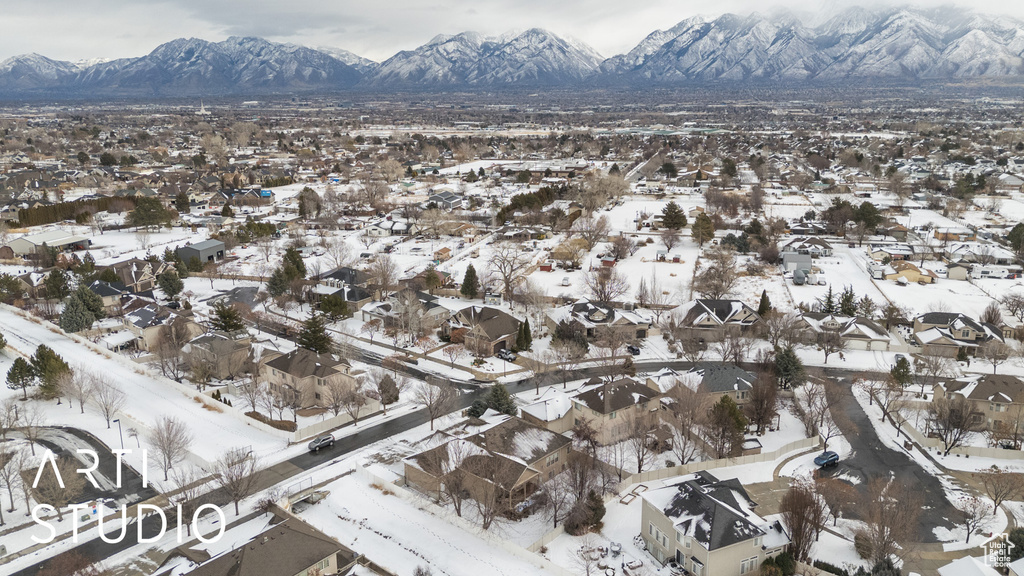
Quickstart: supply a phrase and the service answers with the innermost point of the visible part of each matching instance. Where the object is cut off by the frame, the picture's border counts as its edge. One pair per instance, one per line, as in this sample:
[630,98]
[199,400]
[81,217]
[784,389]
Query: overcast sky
[85,29]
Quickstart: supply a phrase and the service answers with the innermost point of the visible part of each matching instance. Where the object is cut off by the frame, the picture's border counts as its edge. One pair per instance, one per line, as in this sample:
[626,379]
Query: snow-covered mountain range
[854,44]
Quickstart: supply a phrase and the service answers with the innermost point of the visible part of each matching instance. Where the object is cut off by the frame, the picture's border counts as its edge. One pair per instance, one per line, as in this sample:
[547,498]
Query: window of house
[748,565]
[965,333]
[696,567]
[612,415]
[552,459]
[757,542]
[323,563]
[317,395]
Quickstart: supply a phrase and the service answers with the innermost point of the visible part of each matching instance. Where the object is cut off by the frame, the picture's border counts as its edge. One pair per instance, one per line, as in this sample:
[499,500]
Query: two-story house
[946,333]
[483,329]
[608,407]
[310,375]
[717,379]
[997,399]
[512,456]
[711,319]
[708,527]
[593,317]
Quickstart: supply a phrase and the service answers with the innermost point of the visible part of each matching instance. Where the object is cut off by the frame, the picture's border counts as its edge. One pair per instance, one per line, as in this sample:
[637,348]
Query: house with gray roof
[609,406]
[718,379]
[708,527]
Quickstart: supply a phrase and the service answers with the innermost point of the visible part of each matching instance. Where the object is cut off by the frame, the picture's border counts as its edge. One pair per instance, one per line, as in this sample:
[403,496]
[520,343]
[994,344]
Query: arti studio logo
[997,551]
[42,513]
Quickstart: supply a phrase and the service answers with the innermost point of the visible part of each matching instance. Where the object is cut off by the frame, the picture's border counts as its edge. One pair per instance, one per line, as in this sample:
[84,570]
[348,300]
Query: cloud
[81,29]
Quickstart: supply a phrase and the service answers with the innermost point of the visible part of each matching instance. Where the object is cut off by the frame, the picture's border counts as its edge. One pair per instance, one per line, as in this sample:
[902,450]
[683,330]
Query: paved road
[871,458]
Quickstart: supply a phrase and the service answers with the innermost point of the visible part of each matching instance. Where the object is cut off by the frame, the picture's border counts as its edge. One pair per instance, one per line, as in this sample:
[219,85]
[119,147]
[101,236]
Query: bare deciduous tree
[49,489]
[437,399]
[719,276]
[453,352]
[79,387]
[189,493]
[109,399]
[953,421]
[605,284]
[688,410]
[238,474]
[839,496]
[508,262]
[995,352]
[975,515]
[172,439]
[592,230]
[890,513]
[782,329]
[384,274]
[804,514]
[763,401]
[638,438]
[1001,485]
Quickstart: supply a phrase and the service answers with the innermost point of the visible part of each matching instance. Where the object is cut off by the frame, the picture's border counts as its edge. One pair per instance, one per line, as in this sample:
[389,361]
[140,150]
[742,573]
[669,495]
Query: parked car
[565,281]
[633,349]
[826,459]
[507,355]
[325,441]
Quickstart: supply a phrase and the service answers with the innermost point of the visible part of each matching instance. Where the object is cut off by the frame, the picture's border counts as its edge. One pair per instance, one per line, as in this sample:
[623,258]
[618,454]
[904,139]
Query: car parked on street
[325,441]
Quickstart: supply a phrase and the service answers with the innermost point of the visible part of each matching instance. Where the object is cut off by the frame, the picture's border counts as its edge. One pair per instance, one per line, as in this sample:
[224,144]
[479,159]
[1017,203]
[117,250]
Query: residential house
[980,253]
[717,379]
[290,548]
[443,254]
[708,527]
[893,252]
[997,399]
[446,200]
[227,353]
[792,261]
[595,317]
[711,319]
[608,406]
[955,235]
[111,295]
[483,329]
[310,375]
[815,247]
[946,333]
[857,332]
[512,456]
[139,275]
[146,319]
[905,272]
[553,413]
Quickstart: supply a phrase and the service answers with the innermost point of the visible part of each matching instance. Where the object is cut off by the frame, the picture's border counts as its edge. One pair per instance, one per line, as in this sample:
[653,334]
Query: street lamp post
[118,420]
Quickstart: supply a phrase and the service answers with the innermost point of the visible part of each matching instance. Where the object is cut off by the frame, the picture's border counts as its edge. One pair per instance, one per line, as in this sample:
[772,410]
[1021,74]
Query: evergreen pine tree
[21,376]
[3,342]
[293,257]
[900,372]
[226,211]
[788,368]
[527,335]
[277,284]
[56,283]
[828,302]
[76,316]
[314,335]
[91,300]
[431,280]
[334,306]
[48,366]
[766,305]
[499,400]
[847,302]
[226,318]
[672,216]
[703,229]
[470,284]
[181,203]
[170,283]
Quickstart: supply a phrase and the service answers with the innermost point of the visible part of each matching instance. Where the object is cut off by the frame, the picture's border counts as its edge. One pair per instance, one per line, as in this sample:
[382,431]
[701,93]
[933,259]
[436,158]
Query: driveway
[871,458]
